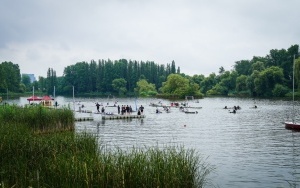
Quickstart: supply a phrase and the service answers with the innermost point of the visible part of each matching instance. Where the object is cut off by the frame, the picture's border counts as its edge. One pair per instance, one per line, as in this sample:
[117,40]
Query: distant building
[32,77]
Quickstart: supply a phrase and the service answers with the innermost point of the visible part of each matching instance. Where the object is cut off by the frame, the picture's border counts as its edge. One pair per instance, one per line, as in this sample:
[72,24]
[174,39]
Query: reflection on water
[249,149]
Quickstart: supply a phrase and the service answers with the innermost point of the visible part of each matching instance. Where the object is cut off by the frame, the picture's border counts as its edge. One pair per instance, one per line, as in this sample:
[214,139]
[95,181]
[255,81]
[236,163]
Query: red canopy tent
[34,98]
[47,98]
[46,101]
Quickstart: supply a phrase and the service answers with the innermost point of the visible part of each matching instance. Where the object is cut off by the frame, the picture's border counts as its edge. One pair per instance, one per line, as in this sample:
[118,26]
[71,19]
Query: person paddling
[234,111]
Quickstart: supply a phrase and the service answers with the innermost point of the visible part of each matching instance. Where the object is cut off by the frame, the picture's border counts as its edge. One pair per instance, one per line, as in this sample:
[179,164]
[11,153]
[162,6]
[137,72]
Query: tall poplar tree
[51,81]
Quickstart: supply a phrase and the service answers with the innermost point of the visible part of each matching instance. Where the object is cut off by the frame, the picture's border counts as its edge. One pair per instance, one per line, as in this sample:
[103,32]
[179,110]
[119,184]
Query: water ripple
[249,149]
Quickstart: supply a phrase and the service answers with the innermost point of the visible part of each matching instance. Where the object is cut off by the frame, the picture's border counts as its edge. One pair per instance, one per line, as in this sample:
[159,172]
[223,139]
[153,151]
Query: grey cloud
[206,34]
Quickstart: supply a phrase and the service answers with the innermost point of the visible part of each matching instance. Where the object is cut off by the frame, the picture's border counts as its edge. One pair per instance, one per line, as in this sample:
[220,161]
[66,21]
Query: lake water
[248,149]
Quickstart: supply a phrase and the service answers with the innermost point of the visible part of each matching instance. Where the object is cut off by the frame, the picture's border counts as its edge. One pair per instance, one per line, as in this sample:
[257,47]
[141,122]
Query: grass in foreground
[65,159]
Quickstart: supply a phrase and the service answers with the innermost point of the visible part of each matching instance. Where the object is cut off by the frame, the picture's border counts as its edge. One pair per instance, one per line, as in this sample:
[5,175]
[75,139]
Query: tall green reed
[38,118]
[27,159]
[66,159]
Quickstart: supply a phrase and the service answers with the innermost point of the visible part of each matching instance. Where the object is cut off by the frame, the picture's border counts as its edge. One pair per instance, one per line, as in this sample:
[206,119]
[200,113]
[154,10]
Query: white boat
[156,104]
[186,110]
[292,124]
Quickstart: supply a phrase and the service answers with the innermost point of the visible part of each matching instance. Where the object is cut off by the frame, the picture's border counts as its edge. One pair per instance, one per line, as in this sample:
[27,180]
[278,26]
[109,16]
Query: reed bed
[66,159]
[33,159]
[38,118]
[153,167]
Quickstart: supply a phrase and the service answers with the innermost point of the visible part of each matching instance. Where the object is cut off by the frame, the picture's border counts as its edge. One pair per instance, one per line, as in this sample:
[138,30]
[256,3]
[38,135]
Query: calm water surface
[248,149]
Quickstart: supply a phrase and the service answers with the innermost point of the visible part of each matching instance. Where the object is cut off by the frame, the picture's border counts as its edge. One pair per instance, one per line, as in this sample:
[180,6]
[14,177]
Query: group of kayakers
[235,108]
[166,109]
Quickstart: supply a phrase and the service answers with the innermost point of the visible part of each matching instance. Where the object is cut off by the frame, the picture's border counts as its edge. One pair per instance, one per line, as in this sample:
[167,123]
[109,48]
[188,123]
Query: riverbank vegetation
[269,76]
[69,159]
[38,118]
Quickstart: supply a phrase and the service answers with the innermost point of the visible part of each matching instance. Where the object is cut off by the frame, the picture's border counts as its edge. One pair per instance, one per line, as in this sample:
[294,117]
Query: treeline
[269,76]
[107,77]
[104,77]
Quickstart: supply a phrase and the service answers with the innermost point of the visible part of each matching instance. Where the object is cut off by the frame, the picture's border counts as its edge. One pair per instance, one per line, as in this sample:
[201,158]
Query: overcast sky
[200,36]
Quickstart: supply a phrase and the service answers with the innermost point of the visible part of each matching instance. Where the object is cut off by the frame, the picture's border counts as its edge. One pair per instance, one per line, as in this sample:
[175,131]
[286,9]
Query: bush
[280,90]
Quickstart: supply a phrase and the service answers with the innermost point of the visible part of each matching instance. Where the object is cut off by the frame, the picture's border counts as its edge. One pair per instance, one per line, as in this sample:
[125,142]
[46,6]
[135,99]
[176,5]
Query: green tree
[100,84]
[173,67]
[267,79]
[258,66]
[277,57]
[297,73]
[280,90]
[11,75]
[225,83]
[221,70]
[284,59]
[250,82]
[241,83]
[61,83]
[119,85]
[208,83]
[178,70]
[228,80]
[176,85]
[218,89]
[194,90]
[26,82]
[22,88]
[2,80]
[35,84]
[42,84]
[51,81]
[92,69]
[78,75]
[145,89]
[198,78]
[243,67]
